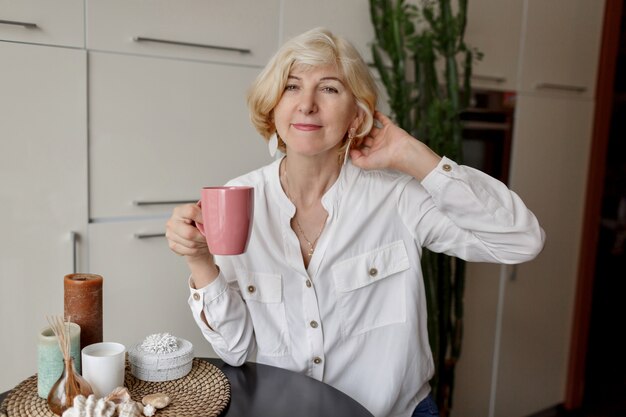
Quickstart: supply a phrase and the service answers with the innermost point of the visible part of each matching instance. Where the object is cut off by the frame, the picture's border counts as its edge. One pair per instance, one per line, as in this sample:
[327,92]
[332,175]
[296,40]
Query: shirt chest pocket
[263,294]
[371,288]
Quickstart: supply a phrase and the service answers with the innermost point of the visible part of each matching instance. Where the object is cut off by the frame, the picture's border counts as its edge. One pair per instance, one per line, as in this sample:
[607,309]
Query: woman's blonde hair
[315,48]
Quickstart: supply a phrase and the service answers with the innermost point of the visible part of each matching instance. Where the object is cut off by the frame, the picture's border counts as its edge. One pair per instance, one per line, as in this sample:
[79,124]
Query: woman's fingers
[188,212]
[381,126]
[187,236]
[182,235]
[382,118]
[374,132]
[368,141]
[185,246]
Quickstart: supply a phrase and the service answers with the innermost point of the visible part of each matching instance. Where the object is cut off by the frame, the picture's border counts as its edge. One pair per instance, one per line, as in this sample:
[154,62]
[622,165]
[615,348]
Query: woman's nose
[307,103]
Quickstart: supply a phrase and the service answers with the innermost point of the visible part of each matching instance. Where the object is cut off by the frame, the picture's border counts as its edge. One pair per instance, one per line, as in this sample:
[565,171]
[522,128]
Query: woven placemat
[205,391]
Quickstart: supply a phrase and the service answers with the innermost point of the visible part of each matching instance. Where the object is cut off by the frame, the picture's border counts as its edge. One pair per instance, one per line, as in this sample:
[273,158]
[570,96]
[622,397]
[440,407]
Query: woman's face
[315,111]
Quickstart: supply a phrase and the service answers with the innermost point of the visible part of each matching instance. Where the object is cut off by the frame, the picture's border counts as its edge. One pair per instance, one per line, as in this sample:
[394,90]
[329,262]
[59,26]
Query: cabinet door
[561,46]
[43,193]
[145,286]
[234,31]
[349,19]
[549,171]
[162,129]
[59,22]
[494,27]
[473,381]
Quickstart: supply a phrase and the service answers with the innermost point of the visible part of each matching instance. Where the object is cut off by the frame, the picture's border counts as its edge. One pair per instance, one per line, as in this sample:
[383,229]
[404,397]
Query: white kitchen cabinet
[43,193]
[59,22]
[494,27]
[235,31]
[547,47]
[549,171]
[161,129]
[145,286]
[518,318]
[474,372]
[560,48]
[348,18]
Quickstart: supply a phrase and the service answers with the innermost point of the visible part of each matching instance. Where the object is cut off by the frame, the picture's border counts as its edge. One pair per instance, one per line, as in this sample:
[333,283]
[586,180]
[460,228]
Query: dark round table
[261,390]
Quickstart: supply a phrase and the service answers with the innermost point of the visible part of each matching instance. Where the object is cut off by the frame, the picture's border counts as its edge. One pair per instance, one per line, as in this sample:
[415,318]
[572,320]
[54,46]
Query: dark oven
[488,132]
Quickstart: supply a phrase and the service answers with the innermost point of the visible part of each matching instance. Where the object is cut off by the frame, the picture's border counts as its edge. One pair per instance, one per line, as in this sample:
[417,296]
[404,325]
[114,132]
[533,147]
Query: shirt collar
[330,199]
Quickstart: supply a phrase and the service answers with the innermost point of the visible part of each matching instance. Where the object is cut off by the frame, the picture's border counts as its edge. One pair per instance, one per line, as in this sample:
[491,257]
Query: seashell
[130,409]
[90,407]
[119,395]
[149,410]
[157,400]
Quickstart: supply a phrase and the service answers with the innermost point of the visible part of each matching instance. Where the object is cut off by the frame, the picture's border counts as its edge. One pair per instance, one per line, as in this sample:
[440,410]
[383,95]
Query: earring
[272,144]
[351,134]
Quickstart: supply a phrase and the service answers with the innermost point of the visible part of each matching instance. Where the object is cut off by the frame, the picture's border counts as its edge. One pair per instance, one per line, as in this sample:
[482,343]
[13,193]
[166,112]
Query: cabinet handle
[148,235]
[162,202]
[27,25]
[562,87]
[197,45]
[74,240]
[474,125]
[484,77]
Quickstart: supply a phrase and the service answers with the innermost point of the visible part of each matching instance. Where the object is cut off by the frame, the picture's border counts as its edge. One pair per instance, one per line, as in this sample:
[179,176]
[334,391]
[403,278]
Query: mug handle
[200,226]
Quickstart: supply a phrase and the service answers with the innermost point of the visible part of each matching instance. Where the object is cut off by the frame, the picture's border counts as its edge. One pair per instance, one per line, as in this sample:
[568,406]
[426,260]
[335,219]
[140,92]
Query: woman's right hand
[183,236]
[186,240]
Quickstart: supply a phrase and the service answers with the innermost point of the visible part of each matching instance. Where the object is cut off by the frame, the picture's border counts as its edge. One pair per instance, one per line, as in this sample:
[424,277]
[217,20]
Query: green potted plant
[413,46]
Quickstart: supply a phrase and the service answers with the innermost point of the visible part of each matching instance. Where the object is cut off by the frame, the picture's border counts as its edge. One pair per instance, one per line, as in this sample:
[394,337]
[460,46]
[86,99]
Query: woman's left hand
[391,147]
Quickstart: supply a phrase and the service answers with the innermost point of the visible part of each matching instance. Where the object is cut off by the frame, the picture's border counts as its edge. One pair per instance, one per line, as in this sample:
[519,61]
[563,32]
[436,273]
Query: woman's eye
[291,87]
[330,90]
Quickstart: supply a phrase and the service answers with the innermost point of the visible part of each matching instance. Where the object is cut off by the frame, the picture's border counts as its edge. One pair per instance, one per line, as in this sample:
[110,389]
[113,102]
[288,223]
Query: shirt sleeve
[231,332]
[466,213]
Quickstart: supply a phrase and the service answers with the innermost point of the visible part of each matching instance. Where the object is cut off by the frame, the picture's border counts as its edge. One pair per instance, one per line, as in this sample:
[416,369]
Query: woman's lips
[306,127]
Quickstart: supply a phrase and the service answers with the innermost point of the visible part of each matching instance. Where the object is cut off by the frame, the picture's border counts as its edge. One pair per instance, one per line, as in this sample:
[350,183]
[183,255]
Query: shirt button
[373,272]
[251,289]
[446,167]
[314,324]
[308,283]
[196,296]
[317,360]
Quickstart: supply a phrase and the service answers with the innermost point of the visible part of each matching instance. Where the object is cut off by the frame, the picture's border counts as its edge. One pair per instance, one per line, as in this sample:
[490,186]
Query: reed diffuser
[70,384]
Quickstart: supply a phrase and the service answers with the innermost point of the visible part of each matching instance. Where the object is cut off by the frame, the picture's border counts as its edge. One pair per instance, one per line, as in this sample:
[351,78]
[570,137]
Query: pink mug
[227,214]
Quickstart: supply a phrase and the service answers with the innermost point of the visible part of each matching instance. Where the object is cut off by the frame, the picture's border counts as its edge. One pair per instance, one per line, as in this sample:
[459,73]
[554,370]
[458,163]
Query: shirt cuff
[445,169]
[207,293]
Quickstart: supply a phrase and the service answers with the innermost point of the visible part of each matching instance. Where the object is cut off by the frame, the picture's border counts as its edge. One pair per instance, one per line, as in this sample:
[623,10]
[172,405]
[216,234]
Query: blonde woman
[331,284]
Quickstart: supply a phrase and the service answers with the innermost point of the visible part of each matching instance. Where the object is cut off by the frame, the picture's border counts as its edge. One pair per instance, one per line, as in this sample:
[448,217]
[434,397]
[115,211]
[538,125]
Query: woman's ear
[358,119]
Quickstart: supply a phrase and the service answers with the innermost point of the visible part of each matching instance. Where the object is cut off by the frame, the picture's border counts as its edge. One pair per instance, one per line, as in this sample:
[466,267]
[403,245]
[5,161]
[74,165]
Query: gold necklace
[308,242]
[311,244]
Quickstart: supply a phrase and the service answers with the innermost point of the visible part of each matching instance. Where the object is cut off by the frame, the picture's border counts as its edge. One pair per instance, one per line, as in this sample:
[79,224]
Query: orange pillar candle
[83,303]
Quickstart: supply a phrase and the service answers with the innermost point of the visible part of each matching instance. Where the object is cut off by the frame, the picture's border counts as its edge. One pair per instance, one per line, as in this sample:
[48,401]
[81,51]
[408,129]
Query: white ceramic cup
[103,366]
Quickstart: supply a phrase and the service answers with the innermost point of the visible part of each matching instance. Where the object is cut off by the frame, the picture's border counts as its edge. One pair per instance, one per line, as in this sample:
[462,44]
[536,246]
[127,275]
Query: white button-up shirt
[356,318]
